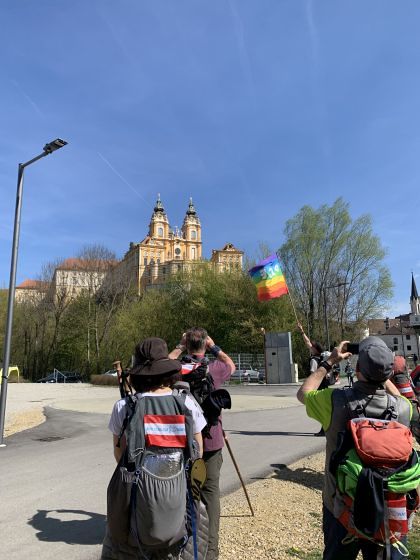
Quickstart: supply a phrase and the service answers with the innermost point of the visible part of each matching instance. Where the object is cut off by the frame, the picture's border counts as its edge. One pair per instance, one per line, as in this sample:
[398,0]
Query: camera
[352,347]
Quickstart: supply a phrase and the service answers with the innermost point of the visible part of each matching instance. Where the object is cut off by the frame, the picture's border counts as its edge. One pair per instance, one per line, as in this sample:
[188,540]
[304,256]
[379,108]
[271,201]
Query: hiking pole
[238,471]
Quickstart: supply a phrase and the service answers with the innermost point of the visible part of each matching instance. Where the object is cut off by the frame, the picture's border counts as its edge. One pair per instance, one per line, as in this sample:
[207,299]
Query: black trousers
[334,533]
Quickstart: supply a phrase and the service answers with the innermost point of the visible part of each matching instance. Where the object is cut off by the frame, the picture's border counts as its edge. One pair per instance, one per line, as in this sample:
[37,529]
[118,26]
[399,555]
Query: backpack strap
[130,401]
[357,409]
[136,443]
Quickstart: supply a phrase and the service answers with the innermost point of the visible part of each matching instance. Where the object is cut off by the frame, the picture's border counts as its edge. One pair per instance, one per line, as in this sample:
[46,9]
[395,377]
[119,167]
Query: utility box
[279,366]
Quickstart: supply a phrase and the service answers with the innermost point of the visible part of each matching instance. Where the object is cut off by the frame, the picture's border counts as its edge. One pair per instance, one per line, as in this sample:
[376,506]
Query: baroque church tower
[191,232]
[159,224]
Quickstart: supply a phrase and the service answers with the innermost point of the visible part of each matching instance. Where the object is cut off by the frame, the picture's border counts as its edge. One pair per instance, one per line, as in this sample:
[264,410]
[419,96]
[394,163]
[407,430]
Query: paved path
[53,477]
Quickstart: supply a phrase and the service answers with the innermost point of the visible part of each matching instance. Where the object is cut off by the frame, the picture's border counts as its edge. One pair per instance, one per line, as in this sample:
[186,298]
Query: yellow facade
[164,251]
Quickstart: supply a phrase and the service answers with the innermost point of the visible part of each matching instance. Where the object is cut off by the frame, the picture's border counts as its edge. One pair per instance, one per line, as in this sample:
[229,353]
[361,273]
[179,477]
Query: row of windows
[408,347]
[193,254]
[193,233]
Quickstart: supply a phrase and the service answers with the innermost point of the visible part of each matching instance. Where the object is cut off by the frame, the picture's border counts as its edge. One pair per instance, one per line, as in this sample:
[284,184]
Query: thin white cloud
[242,48]
[325,140]
[313,34]
[103,158]
[28,98]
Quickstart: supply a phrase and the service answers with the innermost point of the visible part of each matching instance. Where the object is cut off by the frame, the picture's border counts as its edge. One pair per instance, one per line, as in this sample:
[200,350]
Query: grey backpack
[149,503]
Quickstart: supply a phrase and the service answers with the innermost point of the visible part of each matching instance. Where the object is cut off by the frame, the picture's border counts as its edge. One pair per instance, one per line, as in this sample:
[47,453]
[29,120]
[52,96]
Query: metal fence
[250,368]
[244,360]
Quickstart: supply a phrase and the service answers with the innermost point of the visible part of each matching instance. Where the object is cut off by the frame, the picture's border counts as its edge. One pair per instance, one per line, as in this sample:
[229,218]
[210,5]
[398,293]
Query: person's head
[375,362]
[152,367]
[195,340]
[316,348]
[399,365]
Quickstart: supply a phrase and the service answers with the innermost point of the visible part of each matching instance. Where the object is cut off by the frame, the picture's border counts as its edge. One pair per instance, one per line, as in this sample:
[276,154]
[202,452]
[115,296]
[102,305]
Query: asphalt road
[54,477]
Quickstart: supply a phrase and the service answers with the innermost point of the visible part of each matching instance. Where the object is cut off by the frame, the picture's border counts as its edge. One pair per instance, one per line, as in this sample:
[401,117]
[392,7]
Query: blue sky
[254,108]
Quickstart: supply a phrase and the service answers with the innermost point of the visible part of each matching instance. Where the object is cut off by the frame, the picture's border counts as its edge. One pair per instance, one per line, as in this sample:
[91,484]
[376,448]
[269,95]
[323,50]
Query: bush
[104,380]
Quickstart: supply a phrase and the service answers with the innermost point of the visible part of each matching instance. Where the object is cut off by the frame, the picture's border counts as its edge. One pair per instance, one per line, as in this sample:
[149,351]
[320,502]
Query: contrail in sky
[26,96]
[103,158]
[243,52]
[316,59]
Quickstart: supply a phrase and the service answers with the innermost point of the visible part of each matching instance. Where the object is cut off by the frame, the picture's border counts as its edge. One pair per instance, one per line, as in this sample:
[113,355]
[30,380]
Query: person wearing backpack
[197,342]
[404,384]
[373,396]
[156,438]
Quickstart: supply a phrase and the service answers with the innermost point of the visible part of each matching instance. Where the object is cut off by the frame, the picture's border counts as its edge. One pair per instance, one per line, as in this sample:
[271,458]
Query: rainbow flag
[269,279]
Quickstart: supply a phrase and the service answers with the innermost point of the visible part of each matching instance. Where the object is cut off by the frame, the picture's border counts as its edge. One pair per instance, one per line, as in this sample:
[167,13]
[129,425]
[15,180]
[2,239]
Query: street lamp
[48,149]
[327,332]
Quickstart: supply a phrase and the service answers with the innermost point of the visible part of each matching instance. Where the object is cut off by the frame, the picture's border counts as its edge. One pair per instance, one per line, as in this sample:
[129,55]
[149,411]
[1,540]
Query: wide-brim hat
[376,361]
[151,358]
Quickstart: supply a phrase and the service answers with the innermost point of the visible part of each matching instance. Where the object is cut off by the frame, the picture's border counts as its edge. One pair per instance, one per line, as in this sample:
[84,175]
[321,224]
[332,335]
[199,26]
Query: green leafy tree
[332,260]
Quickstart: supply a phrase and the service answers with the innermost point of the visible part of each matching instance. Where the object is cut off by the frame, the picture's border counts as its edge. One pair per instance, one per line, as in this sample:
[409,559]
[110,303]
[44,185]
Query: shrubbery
[105,380]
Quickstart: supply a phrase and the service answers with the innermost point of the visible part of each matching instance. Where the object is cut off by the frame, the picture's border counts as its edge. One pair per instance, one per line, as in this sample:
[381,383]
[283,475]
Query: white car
[112,372]
[246,375]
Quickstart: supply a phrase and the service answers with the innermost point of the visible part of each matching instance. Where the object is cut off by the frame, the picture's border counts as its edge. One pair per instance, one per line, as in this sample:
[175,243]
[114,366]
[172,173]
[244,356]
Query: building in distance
[401,334]
[166,251]
[150,263]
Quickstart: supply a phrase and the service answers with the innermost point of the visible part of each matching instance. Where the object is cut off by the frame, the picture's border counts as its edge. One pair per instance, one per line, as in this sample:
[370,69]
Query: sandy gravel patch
[19,421]
[288,515]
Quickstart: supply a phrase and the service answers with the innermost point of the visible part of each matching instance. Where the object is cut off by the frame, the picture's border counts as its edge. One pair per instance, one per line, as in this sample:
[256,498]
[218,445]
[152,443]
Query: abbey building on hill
[149,263]
[166,251]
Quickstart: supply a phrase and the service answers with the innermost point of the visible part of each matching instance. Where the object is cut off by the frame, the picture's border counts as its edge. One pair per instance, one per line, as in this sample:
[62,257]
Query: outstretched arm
[219,354]
[178,350]
[306,339]
[313,382]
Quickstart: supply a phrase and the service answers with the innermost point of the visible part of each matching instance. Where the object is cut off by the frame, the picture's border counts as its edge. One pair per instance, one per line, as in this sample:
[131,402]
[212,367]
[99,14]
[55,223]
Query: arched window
[192,253]
[160,231]
[193,234]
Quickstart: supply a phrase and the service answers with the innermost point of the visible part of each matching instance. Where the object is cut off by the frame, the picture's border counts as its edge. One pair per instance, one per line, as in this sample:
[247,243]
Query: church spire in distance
[414,294]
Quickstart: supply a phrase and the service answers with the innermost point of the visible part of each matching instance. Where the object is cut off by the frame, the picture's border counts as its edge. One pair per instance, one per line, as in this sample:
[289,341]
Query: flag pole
[293,306]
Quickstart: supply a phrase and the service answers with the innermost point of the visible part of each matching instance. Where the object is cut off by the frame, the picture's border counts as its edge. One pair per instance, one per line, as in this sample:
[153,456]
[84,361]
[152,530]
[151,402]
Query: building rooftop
[30,284]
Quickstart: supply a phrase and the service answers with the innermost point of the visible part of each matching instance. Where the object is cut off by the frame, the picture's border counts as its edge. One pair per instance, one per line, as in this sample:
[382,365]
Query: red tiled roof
[29,284]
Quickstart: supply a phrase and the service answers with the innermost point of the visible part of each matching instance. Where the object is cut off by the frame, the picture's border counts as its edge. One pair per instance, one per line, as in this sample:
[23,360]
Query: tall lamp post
[327,332]
[48,149]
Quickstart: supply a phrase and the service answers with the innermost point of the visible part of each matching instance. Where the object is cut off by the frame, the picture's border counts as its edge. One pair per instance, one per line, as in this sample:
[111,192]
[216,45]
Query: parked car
[112,372]
[246,375]
[61,377]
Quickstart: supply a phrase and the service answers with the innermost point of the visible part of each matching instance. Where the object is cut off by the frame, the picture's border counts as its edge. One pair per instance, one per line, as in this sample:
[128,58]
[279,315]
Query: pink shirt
[220,373]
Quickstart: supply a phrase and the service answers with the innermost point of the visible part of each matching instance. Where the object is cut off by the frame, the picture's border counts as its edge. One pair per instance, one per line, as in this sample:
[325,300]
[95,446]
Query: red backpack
[372,450]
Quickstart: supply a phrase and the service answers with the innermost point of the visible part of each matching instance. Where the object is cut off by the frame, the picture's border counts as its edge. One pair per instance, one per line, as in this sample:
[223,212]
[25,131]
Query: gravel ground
[287,522]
